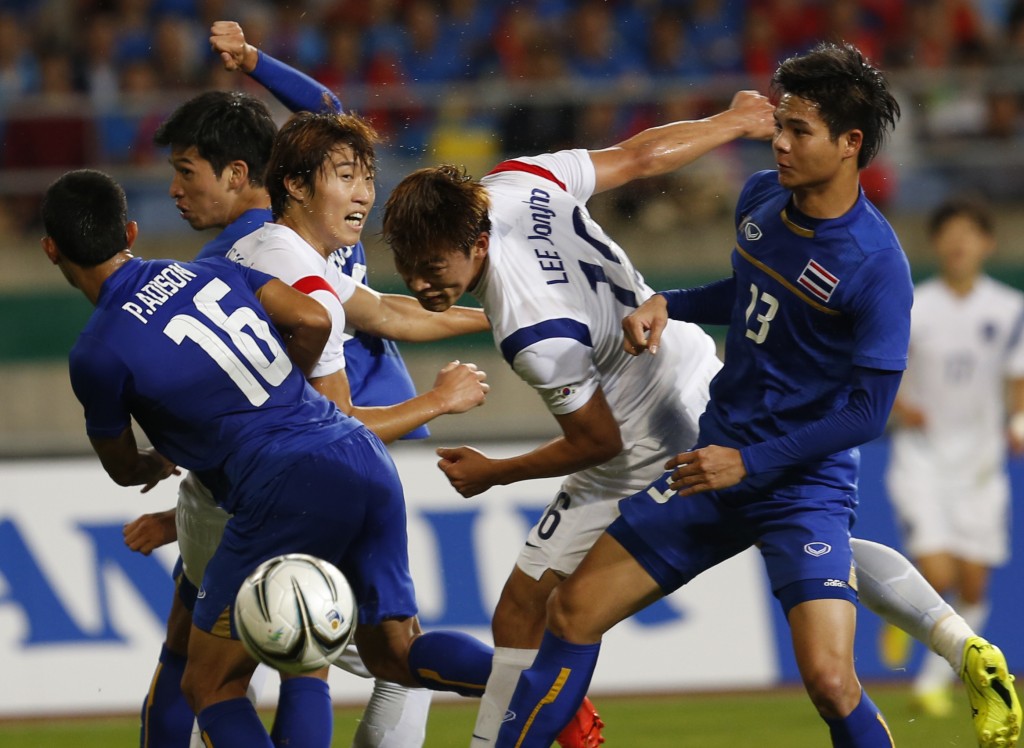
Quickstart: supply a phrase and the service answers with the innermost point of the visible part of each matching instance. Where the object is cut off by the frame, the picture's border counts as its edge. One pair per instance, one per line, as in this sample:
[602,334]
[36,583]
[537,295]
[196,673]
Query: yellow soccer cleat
[995,707]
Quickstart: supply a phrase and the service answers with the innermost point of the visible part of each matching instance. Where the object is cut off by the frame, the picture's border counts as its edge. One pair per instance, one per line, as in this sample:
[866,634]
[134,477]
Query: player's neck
[255,198]
[960,285]
[90,280]
[829,199]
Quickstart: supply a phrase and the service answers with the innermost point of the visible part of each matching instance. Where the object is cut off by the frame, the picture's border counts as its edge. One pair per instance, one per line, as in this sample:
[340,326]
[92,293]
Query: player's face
[806,154]
[201,197]
[962,248]
[439,282]
[344,196]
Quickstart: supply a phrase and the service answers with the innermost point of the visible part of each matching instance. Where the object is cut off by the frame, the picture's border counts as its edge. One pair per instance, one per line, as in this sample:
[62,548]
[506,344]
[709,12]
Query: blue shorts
[343,503]
[800,538]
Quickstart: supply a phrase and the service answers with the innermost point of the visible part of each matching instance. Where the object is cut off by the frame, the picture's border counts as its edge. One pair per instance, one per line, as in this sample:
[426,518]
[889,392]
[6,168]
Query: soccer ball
[295,613]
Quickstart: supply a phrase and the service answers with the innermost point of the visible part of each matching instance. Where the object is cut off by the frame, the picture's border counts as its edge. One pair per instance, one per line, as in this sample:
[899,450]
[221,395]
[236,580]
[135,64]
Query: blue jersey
[187,350]
[814,299]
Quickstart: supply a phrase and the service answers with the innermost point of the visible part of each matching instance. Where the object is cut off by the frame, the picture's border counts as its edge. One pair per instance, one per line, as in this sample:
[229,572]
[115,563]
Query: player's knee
[192,688]
[566,615]
[833,691]
[387,662]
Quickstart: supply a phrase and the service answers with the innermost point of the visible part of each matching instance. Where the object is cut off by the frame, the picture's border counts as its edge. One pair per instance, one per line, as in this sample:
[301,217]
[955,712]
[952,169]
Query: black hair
[224,126]
[85,212]
[969,206]
[850,93]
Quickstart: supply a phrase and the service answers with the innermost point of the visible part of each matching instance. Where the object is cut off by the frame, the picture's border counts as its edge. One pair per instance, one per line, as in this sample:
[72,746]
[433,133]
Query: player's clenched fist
[461,387]
[227,40]
[643,328]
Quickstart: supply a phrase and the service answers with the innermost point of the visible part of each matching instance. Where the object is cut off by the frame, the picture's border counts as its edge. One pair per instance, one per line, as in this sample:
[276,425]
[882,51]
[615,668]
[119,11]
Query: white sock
[890,587]
[506,666]
[934,674]
[395,717]
[948,639]
[975,615]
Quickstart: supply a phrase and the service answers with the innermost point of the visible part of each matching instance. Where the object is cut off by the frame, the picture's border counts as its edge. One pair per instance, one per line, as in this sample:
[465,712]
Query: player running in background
[220,143]
[966,361]
[555,288]
[209,359]
[818,310]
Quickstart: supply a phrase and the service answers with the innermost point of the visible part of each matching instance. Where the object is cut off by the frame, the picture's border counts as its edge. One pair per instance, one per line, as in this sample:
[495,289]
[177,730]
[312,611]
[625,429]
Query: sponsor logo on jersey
[817,549]
[818,280]
[751,231]
[836,583]
[509,716]
[202,593]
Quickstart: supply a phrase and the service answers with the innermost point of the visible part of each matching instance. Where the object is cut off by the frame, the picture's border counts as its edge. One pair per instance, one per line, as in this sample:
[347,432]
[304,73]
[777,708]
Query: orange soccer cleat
[584,731]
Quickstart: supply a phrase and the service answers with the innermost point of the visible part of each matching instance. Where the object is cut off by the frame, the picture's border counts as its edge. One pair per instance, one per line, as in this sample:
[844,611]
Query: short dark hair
[302,146]
[972,207]
[849,91]
[224,126]
[85,212]
[436,209]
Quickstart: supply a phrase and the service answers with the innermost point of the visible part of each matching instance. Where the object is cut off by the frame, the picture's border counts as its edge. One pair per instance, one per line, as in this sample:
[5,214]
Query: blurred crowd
[87,81]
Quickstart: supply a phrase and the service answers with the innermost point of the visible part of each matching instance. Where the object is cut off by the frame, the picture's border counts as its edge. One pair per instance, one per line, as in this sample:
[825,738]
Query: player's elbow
[606,447]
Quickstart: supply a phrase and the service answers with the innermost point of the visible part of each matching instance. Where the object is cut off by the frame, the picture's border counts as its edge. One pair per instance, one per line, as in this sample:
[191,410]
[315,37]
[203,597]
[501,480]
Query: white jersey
[279,251]
[962,352]
[556,289]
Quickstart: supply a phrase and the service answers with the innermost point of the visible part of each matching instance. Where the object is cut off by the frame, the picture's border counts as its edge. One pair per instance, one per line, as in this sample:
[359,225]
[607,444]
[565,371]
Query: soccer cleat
[584,731]
[938,702]
[894,646]
[995,707]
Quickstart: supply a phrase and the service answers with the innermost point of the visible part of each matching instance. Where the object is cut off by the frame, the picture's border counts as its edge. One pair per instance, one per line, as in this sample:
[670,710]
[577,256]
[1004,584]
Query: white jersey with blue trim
[556,289]
[962,351]
[279,251]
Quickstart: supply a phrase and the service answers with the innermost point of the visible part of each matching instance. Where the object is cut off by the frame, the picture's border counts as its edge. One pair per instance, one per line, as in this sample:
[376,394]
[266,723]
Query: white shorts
[566,531]
[200,524]
[939,514]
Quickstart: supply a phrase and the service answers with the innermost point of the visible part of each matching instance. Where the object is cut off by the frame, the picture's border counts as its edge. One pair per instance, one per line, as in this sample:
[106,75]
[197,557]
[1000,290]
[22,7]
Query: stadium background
[84,82]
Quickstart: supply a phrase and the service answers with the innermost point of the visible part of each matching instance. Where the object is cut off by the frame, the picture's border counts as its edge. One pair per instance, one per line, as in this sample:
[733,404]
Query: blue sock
[864,727]
[549,693]
[304,714]
[450,661]
[233,724]
[166,716]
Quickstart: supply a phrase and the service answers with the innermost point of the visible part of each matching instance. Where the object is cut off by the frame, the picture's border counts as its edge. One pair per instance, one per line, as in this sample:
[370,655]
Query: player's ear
[480,246]
[852,141]
[296,188]
[131,233]
[50,249]
[238,176]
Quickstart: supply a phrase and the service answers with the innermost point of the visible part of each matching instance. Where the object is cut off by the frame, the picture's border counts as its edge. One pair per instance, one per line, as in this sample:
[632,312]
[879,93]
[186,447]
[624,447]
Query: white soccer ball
[295,613]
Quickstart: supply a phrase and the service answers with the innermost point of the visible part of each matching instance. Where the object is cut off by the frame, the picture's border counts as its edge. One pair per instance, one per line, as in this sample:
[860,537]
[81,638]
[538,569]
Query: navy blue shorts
[343,503]
[675,538]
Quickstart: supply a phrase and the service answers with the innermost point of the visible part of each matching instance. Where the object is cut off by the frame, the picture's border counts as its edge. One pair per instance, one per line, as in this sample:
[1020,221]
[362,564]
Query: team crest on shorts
[817,549]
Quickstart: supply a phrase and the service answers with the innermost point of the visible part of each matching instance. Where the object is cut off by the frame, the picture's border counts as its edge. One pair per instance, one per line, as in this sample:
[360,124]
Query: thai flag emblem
[818,281]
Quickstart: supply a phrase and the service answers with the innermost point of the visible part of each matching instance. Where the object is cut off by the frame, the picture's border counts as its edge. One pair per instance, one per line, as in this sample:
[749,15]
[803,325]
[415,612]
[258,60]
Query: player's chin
[435,303]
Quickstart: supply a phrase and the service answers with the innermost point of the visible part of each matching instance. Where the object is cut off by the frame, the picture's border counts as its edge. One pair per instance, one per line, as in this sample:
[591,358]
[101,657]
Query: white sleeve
[1015,351]
[572,168]
[562,370]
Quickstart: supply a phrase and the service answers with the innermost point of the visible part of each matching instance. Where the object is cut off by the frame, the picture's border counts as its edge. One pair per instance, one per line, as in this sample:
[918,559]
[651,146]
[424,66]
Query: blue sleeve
[295,90]
[860,420]
[706,305]
[881,311]
[99,379]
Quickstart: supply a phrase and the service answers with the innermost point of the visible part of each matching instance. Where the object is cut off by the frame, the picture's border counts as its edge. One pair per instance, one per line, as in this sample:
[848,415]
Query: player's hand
[461,387]
[156,467]
[227,40]
[467,469]
[150,531]
[707,469]
[757,114]
[643,328]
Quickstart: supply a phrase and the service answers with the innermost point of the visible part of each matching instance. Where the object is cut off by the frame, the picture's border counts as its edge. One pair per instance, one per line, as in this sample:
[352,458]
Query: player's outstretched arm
[400,317]
[294,89]
[150,531]
[590,436]
[659,150]
[642,328]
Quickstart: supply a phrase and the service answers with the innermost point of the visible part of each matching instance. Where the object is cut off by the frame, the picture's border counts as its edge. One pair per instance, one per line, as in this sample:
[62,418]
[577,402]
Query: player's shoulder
[999,291]
[570,171]
[759,188]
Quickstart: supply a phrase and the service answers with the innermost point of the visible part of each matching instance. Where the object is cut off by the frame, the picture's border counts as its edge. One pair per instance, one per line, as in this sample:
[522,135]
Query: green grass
[777,719]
